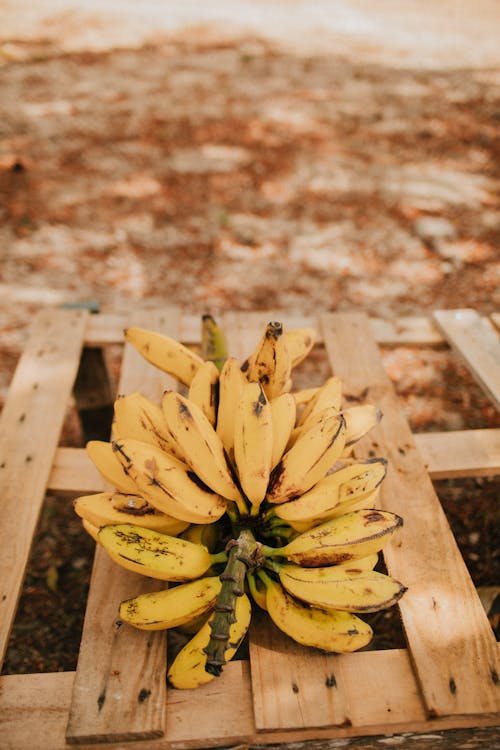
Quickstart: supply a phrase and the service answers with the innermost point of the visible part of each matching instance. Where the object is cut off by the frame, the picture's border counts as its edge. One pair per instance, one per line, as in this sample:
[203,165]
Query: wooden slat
[106,329]
[120,687]
[477,342]
[30,425]
[460,453]
[451,642]
[34,709]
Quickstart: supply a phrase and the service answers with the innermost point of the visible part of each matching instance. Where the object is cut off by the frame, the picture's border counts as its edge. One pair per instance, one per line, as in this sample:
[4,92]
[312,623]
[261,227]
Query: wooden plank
[30,425]
[460,453]
[34,709]
[451,642]
[476,341]
[105,329]
[116,697]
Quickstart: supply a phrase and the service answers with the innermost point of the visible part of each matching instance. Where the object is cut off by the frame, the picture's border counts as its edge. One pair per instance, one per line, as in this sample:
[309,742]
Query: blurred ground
[247,155]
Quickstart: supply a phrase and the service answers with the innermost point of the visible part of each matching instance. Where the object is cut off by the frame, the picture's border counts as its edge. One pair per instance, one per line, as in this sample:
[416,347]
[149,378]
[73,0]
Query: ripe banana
[309,459]
[231,382]
[334,631]
[368,501]
[304,395]
[109,467]
[156,555]
[353,535]
[257,590]
[271,364]
[299,342]
[108,508]
[283,415]
[359,421]
[201,446]
[213,342]
[165,353]
[335,587]
[135,416]
[91,529]
[172,607]
[167,484]
[253,443]
[208,534]
[188,668]
[330,394]
[345,485]
[204,390]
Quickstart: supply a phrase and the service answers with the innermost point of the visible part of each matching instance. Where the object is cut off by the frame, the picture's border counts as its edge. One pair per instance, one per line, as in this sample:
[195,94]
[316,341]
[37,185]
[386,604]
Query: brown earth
[248,156]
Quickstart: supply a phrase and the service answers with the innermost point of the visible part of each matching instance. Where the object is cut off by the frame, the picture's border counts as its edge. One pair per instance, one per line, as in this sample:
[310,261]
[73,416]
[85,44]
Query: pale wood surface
[120,690]
[477,342]
[30,425]
[460,453]
[34,709]
[451,642]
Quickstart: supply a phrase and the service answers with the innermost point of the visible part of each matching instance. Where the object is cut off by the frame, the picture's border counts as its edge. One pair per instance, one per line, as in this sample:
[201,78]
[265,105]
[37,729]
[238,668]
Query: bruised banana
[353,535]
[338,587]
[309,459]
[188,668]
[109,467]
[201,447]
[231,382]
[253,443]
[283,414]
[165,353]
[135,416]
[270,364]
[342,487]
[334,631]
[204,390]
[173,607]
[156,555]
[167,484]
[108,508]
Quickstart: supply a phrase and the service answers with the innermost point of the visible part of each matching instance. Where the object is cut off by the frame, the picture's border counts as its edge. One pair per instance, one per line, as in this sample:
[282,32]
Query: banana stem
[244,555]
[219,557]
[272,551]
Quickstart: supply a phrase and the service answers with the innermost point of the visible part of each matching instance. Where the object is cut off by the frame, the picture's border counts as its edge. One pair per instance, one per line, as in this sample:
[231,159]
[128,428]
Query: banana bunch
[238,489]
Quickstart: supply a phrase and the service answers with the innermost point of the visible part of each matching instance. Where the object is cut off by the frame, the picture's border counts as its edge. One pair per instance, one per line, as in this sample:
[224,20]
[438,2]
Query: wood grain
[450,640]
[476,341]
[30,425]
[120,687]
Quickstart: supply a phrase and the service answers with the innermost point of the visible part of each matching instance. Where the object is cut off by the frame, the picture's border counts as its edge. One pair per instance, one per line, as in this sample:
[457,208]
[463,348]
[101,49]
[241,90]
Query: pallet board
[446,678]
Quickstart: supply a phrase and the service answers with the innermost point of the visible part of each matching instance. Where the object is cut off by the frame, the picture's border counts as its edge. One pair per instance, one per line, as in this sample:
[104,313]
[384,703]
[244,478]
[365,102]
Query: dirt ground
[247,155]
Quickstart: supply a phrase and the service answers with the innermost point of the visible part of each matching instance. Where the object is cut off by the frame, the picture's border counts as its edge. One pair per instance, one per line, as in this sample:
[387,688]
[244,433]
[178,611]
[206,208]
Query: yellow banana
[165,353]
[156,555]
[172,607]
[204,390]
[367,502]
[359,421]
[329,630]
[135,416]
[201,446]
[271,364]
[257,590]
[109,467]
[108,508]
[188,668]
[309,459]
[330,394]
[299,342]
[208,534]
[347,484]
[231,382]
[253,443]
[213,342]
[304,395]
[91,529]
[167,484]
[283,414]
[348,537]
[335,587]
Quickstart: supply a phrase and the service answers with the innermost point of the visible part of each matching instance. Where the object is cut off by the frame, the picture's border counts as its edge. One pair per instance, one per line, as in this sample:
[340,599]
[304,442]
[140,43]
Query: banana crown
[240,489]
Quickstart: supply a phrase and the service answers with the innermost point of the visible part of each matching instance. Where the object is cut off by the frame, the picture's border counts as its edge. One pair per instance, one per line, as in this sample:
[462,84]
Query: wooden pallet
[447,677]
